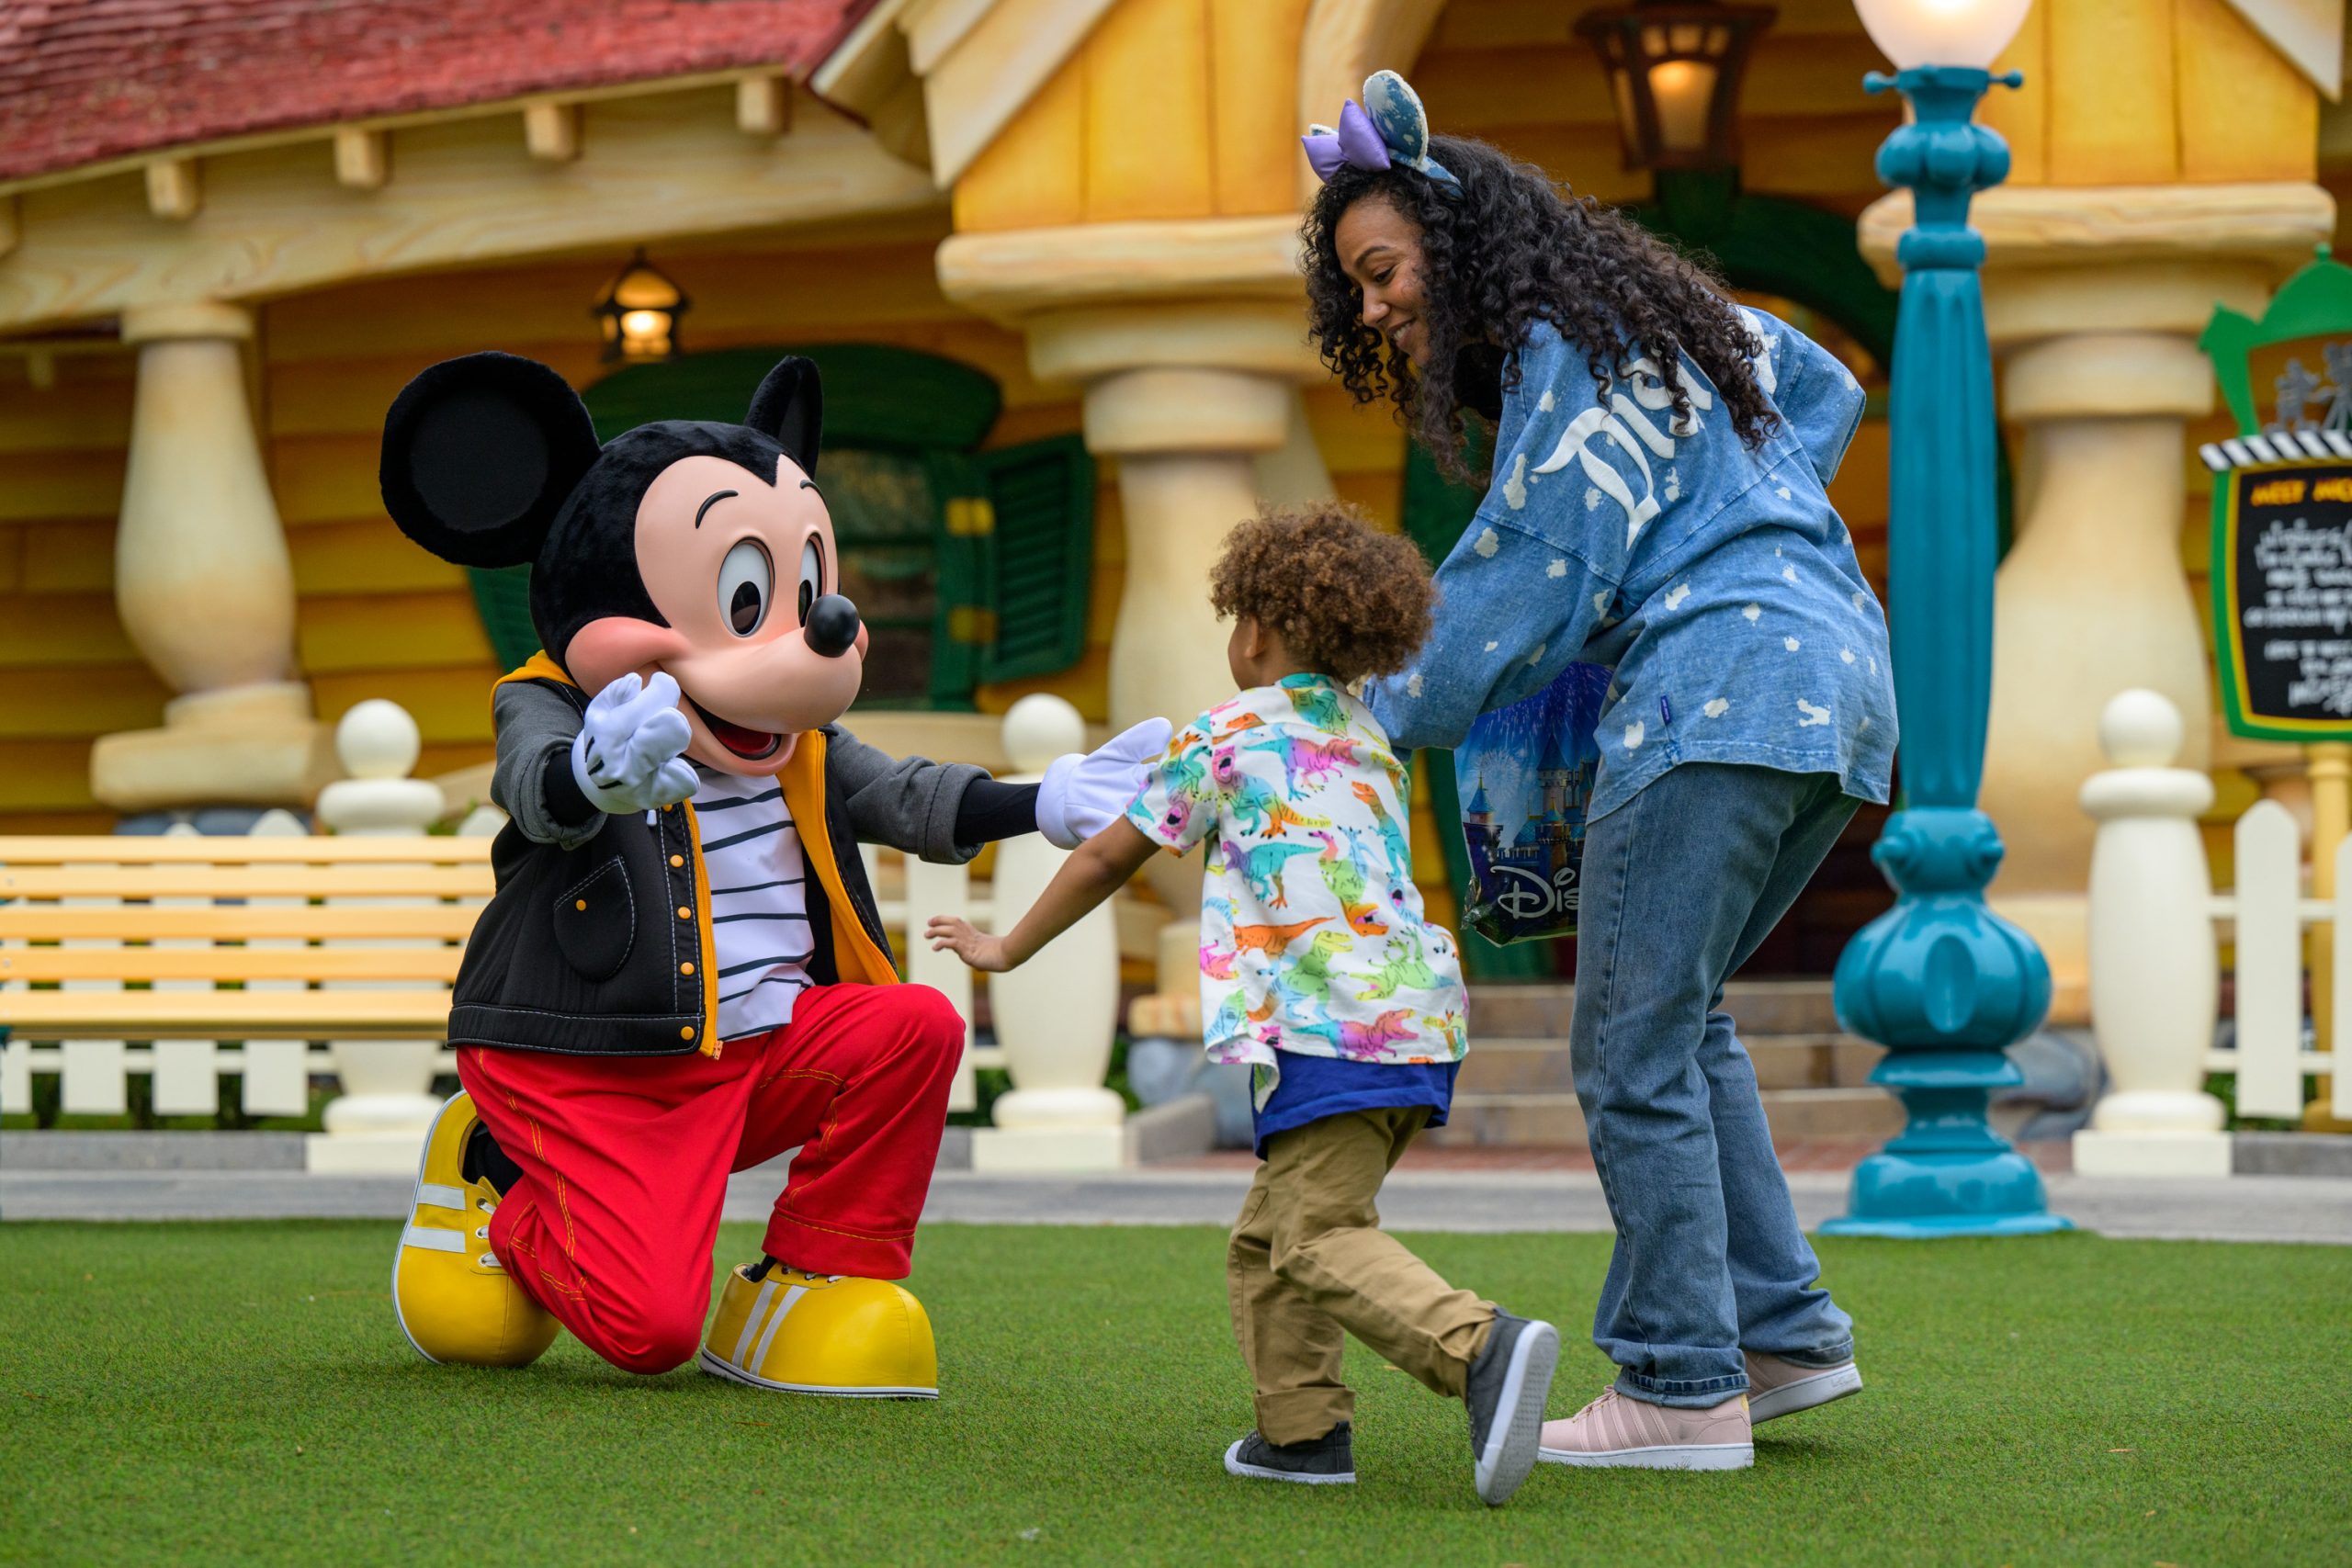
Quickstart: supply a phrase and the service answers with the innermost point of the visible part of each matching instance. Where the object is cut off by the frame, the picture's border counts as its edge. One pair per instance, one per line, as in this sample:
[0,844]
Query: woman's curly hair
[1507,250]
[1346,599]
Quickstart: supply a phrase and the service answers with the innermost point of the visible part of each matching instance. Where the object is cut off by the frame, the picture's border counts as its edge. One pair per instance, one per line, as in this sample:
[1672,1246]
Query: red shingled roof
[86,80]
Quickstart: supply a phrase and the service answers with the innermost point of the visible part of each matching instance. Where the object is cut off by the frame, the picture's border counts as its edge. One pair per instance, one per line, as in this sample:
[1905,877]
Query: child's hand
[985,953]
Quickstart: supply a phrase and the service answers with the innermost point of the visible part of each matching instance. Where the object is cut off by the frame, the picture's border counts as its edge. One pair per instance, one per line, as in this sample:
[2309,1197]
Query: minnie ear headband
[1391,128]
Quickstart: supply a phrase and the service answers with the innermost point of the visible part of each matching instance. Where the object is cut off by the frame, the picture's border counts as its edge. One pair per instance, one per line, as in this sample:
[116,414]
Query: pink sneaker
[1634,1434]
[1782,1388]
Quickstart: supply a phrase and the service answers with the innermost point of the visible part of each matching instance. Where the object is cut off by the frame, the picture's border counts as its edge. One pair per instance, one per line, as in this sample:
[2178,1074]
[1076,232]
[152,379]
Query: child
[1318,967]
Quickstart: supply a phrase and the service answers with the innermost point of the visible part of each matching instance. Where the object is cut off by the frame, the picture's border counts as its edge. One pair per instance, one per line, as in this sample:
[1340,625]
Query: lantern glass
[1941,33]
[1683,90]
[638,312]
[1674,68]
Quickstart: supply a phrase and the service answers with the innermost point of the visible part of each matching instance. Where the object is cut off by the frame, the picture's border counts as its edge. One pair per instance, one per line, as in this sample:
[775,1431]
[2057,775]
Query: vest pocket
[595,921]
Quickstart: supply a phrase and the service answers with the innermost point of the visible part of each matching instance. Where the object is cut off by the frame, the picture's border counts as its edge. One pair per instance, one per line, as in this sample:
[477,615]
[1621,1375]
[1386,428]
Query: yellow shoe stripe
[434,1241]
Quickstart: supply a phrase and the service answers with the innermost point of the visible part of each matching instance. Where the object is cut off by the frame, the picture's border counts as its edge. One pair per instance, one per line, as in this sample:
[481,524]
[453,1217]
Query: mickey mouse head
[698,549]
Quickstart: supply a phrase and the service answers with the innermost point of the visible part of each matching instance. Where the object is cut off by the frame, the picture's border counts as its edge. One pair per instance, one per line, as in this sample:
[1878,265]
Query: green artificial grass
[239,1393]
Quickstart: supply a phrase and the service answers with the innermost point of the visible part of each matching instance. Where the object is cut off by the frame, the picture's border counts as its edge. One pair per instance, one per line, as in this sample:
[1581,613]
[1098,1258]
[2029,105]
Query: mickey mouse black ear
[790,406]
[480,454]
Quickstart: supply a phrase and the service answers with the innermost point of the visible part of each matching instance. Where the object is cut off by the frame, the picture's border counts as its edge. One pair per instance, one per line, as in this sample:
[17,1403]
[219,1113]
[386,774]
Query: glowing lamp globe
[1914,33]
[638,312]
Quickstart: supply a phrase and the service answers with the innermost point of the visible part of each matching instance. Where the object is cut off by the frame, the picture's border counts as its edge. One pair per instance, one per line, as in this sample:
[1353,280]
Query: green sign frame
[2309,319]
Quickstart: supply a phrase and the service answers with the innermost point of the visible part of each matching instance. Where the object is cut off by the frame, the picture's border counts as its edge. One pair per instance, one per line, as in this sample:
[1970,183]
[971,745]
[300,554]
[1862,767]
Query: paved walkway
[2241,1208]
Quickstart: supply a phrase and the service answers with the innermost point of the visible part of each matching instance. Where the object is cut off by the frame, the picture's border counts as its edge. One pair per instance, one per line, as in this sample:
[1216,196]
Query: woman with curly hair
[1656,505]
[1318,968]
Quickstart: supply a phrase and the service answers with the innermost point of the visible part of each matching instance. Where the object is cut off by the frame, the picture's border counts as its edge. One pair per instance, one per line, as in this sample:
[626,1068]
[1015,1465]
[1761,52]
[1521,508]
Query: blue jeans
[1680,884]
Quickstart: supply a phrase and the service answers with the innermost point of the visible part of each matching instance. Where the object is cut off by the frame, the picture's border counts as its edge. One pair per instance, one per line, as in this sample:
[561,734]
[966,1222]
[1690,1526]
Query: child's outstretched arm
[1095,870]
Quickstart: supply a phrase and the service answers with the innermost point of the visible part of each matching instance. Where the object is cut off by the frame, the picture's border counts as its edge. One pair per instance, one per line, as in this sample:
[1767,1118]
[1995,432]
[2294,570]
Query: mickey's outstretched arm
[947,811]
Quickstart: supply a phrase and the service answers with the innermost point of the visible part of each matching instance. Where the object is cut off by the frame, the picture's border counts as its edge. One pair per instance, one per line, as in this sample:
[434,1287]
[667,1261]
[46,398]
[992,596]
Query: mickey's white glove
[625,756]
[1084,794]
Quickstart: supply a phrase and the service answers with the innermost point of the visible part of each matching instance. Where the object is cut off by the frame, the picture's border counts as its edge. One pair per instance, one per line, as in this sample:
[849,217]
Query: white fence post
[387,1102]
[1056,1016]
[2270,962]
[185,1077]
[276,1079]
[2155,972]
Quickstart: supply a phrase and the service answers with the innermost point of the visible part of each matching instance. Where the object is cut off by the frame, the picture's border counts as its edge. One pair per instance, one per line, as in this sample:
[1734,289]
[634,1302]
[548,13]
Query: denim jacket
[1716,581]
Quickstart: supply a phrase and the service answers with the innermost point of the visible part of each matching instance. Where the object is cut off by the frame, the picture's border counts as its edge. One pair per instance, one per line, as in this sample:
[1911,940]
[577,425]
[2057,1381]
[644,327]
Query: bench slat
[235,922]
[226,1015]
[230,963]
[244,882]
[129,849]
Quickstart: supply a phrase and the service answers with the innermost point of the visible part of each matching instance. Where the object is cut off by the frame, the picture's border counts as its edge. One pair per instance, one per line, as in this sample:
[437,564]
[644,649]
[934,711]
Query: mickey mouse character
[683,972]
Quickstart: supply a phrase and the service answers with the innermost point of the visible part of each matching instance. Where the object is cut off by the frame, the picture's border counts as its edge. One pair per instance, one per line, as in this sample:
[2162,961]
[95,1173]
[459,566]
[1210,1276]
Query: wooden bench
[194,943]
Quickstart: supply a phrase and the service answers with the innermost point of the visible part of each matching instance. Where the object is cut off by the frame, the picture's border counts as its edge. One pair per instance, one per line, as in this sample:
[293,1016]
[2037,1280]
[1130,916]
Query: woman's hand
[985,953]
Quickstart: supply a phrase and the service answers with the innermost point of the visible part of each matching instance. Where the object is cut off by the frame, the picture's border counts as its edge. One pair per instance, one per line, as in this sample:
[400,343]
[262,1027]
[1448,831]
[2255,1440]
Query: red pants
[624,1160]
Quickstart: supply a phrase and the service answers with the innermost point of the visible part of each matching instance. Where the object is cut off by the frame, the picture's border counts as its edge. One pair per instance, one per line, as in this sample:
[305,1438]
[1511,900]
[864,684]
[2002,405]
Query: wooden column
[204,583]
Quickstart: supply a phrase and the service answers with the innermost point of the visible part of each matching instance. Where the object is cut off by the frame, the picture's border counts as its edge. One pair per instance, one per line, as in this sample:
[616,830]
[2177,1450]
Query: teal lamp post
[1940,979]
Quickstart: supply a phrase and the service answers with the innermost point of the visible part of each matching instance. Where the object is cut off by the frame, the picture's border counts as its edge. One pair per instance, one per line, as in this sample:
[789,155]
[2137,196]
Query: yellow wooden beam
[239,964]
[234,923]
[362,157]
[551,131]
[657,169]
[174,190]
[230,1015]
[235,850]
[763,106]
[266,880]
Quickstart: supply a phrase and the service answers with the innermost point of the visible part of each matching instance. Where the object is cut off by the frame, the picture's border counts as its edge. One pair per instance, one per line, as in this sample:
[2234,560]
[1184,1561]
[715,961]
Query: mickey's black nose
[832,625]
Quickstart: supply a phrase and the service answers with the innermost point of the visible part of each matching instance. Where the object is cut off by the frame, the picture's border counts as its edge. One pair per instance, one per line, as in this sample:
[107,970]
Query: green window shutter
[1030,527]
[502,598]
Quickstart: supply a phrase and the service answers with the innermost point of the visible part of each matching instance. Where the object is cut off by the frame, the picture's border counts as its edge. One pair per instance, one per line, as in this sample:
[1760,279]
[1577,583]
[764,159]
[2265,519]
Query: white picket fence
[2156,928]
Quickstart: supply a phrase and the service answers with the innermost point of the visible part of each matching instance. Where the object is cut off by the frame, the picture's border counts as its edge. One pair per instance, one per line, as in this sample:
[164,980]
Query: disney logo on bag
[1527,896]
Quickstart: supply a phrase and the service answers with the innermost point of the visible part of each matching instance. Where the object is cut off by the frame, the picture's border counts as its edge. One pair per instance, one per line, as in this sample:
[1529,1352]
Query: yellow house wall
[2151,92]
[1171,109]
[68,672]
[377,616]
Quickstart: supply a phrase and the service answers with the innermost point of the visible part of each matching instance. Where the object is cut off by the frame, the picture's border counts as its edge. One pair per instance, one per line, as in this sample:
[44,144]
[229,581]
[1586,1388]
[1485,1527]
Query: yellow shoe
[454,1300]
[831,1333]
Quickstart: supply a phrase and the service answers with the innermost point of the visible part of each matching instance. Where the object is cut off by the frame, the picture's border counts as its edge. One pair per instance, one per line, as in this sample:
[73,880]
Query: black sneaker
[1327,1460]
[1507,1385]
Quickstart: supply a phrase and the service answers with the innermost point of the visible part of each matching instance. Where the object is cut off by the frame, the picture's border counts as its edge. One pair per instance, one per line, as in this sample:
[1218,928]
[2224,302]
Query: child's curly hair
[1349,600]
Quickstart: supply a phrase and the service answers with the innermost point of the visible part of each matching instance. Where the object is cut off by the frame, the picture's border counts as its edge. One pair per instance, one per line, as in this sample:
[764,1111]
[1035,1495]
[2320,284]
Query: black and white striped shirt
[759,901]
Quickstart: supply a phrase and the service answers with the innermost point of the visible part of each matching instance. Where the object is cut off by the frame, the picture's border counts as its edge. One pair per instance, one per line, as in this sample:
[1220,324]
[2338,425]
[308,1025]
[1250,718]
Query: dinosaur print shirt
[1313,942]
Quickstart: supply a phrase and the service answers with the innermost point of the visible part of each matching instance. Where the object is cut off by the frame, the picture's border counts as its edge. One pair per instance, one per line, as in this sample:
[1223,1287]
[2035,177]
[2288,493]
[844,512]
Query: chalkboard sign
[2282,599]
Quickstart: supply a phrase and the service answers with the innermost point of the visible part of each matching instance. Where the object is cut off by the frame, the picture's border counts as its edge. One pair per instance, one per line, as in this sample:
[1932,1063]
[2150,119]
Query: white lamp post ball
[1912,33]
[2139,729]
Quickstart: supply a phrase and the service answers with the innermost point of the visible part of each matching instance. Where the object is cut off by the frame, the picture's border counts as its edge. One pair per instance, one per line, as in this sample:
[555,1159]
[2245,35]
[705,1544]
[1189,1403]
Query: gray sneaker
[1327,1460]
[1775,1387]
[1507,1385]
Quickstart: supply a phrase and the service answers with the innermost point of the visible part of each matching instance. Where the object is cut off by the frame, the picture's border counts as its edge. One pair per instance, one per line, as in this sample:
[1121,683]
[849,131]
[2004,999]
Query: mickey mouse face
[702,549]
[742,572]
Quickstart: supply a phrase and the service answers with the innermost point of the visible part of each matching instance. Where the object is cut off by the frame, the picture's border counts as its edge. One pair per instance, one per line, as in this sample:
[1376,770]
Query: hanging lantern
[1675,67]
[640,311]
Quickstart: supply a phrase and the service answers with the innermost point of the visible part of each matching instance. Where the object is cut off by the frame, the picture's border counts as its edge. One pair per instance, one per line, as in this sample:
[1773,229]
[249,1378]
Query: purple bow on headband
[1356,142]
[1389,127]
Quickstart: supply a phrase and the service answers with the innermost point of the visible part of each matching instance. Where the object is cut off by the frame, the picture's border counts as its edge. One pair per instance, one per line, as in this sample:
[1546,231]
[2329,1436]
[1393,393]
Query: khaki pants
[1308,1259]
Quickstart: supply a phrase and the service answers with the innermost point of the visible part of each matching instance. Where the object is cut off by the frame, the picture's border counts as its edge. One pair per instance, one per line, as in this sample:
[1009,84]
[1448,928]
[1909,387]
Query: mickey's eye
[746,583]
[812,576]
